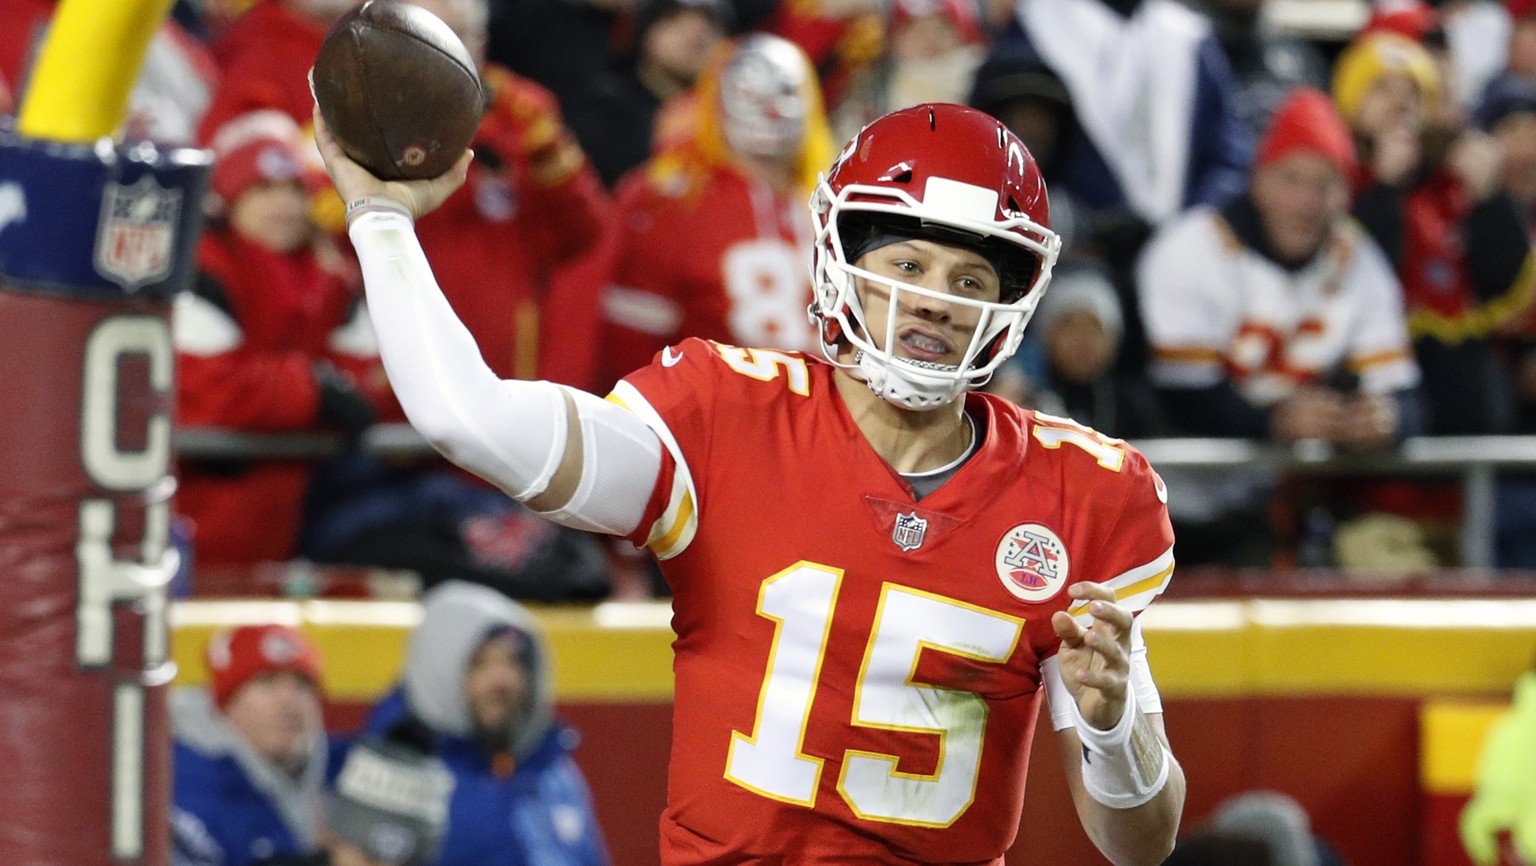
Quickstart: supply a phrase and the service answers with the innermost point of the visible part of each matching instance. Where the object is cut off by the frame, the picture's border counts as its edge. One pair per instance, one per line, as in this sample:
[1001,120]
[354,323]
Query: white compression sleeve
[620,459]
[510,432]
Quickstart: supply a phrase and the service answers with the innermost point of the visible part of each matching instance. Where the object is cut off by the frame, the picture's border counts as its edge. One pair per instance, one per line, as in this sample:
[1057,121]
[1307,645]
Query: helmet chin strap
[889,380]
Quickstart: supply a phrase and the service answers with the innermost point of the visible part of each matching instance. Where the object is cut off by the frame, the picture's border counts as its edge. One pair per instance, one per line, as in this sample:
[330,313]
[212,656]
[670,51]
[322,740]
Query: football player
[877,572]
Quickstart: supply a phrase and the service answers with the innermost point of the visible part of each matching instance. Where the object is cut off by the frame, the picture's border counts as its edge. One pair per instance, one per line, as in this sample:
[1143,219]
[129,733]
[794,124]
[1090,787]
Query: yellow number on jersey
[765,365]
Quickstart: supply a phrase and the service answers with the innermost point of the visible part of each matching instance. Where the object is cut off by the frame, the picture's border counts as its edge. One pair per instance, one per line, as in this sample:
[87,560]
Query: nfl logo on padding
[909,531]
[137,233]
[1031,562]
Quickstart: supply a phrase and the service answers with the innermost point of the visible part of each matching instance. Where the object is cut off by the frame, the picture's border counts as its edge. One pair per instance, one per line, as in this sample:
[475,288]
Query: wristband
[1126,765]
[376,204]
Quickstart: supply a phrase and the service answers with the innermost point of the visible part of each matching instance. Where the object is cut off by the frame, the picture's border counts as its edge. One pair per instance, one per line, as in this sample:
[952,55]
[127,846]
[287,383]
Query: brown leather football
[398,90]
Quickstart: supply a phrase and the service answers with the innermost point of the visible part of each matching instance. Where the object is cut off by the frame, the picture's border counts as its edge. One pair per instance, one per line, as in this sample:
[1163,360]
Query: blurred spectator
[1257,828]
[714,228]
[1477,33]
[672,41]
[1276,317]
[1076,333]
[1014,85]
[1430,197]
[477,673]
[251,757]
[531,204]
[1266,63]
[842,38]
[1421,23]
[1508,113]
[1504,801]
[1155,97]
[1279,822]
[442,524]
[932,50]
[389,805]
[1156,125]
[271,338]
[264,52]
[561,44]
[1259,312]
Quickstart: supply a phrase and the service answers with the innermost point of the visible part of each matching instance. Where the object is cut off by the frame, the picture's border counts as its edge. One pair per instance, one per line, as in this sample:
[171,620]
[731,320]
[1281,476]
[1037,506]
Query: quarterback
[878,574]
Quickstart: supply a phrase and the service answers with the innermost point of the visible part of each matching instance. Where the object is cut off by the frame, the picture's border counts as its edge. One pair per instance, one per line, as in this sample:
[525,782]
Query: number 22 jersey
[858,673]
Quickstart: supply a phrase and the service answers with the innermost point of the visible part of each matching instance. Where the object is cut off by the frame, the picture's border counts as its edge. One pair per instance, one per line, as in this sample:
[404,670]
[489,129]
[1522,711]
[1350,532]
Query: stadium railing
[1474,460]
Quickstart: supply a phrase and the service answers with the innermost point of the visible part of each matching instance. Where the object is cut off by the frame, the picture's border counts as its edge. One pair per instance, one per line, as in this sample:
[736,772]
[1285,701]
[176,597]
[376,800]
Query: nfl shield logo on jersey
[909,531]
[137,233]
[1032,562]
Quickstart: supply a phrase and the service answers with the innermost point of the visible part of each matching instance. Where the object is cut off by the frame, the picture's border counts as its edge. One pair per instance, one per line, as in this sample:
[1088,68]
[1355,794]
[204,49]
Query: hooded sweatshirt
[528,805]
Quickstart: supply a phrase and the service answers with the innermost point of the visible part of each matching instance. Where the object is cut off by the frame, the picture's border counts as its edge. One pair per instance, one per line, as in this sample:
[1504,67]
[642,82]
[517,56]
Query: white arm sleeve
[1060,700]
[513,433]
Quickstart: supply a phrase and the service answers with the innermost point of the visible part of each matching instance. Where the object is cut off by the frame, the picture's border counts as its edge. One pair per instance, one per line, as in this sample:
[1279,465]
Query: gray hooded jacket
[457,618]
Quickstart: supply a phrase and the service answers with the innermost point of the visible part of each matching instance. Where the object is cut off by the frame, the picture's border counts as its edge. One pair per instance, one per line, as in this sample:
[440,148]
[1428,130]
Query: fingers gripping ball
[398,90]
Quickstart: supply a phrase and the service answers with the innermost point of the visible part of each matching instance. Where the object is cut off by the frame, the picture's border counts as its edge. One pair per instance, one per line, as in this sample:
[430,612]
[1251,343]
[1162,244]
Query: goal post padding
[95,239]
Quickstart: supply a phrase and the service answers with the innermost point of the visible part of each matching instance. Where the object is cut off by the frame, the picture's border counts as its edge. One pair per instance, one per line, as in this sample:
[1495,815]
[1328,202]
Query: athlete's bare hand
[352,181]
[1096,660]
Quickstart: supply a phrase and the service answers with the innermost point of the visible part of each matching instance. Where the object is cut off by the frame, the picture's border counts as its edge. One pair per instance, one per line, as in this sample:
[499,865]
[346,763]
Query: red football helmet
[952,174]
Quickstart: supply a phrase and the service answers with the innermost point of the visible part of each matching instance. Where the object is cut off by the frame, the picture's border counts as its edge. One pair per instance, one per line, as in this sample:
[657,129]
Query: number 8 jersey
[858,673]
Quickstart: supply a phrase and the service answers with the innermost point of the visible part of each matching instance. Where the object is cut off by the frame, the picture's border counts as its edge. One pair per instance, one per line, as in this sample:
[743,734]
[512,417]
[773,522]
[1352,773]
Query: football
[398,90]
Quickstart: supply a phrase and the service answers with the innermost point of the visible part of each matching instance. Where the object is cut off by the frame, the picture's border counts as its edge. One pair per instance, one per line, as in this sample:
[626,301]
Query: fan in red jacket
[532,203]
[272,338]
[713,243]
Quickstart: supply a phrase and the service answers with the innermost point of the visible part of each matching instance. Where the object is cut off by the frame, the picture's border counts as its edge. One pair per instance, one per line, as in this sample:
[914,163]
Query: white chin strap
[891,379]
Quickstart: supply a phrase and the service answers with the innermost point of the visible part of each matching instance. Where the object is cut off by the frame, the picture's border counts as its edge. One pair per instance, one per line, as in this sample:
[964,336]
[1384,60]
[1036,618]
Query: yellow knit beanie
[1375,55]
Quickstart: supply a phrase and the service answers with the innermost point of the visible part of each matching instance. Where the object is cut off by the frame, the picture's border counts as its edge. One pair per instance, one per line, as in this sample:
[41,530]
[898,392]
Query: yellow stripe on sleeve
[1136,582]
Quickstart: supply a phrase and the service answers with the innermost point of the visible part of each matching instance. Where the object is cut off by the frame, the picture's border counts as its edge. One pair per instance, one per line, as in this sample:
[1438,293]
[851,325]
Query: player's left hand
[1095,661]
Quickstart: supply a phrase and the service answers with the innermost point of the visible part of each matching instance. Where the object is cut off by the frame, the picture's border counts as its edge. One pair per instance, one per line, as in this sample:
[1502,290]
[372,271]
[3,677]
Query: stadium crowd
[1265,237]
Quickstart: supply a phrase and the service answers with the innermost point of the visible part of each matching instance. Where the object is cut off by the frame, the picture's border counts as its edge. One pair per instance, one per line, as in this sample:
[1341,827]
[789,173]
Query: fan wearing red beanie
[272,338]
[251,756]
[1276,317]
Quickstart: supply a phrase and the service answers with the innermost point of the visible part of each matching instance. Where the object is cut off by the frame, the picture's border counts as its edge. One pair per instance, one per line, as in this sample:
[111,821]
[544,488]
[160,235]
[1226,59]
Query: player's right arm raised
[538,441]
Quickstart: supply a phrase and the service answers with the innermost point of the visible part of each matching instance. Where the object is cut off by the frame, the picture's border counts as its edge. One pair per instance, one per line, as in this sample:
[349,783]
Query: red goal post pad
[94,240]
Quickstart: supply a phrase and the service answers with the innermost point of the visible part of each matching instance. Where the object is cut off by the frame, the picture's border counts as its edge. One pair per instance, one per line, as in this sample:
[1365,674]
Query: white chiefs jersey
[1215,310]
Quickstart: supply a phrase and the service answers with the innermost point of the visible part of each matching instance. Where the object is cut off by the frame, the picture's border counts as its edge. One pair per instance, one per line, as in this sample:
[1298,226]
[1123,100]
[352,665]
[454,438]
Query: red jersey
[722,257]
[496,241]
[858,672]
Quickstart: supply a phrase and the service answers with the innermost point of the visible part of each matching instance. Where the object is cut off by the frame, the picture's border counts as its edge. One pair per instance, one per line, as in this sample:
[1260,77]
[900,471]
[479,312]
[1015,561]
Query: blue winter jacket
[222,813]
[540,815]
